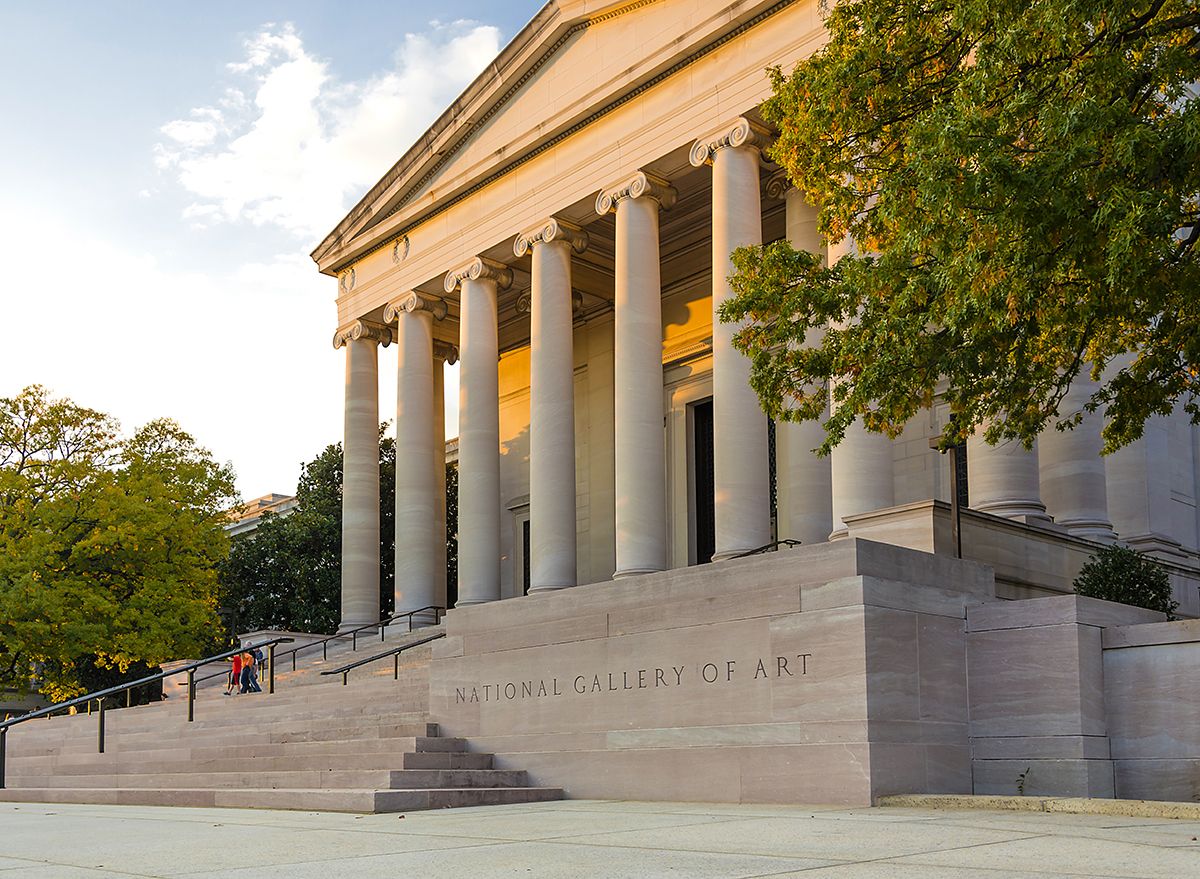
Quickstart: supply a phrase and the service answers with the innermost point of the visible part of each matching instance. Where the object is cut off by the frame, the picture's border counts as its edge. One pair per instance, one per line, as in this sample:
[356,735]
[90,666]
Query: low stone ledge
[1068,805]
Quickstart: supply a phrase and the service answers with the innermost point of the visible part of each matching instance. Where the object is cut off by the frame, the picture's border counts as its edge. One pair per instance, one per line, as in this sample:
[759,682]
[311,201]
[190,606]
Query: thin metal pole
[345,675]
[396,664]
[955,510]
[293,660]
[100,734]
[271,669]
[3,753]
[129,698]
[325,649]
[354,640]
[191,694]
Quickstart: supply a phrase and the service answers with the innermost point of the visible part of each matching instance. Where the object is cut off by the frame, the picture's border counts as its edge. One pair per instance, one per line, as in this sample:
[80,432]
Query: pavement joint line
[1072,832]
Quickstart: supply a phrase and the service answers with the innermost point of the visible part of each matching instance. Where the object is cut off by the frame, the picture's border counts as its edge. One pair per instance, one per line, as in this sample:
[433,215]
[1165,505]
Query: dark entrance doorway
[703,511]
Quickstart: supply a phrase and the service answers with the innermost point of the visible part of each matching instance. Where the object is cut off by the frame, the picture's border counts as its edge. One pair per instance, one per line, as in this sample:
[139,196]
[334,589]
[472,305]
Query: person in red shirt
[235,676]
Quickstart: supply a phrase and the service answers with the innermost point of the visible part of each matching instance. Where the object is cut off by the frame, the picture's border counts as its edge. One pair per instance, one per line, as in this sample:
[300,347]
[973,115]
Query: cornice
[414,302]
[639,185]
[467,131]
[360,330]
[479,269]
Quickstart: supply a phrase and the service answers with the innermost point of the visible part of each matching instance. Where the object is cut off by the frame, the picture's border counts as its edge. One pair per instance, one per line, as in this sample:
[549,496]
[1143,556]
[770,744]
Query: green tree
[1117,573]
[108,545]
[1022,180]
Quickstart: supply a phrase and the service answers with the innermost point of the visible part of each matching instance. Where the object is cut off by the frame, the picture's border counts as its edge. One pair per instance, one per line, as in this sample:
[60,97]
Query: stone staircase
[313,745]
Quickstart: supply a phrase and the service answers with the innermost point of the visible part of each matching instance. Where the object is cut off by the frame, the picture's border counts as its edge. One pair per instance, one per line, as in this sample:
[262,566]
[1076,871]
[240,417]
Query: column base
[470,602]
[346,625]
[1089,529]
[539,590]
[635,572]
[419,620]
[1018,511]
[838,534]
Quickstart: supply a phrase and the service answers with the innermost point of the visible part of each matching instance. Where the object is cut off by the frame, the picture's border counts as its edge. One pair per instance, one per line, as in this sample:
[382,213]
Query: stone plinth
[834,673]
[1038,714]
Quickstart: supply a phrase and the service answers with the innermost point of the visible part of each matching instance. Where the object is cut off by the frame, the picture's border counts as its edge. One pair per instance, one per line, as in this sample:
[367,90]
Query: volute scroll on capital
[412,302]
[740,132]
[445,351]
[479,269]
[360,330]
[640,184]
[779,184]
[547,231]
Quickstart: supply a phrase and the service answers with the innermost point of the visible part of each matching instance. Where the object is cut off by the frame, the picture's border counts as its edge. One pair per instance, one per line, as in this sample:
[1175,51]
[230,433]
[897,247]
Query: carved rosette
[548,231]
[445,351]
[413,302]
[362,329]
[741,132]
[479,269]
[778,184]
[639,185]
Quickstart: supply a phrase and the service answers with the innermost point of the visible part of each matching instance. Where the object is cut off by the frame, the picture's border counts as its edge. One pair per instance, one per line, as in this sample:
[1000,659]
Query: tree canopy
[1021,181]
[108,545]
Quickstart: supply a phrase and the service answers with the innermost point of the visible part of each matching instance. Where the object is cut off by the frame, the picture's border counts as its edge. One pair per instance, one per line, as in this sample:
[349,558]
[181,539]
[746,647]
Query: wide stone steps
[313,744]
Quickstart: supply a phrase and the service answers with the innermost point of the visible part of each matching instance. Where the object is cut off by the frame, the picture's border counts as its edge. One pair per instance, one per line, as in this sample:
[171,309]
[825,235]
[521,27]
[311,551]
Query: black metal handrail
[766,547]
[395,652]
[100,695]
[438,613]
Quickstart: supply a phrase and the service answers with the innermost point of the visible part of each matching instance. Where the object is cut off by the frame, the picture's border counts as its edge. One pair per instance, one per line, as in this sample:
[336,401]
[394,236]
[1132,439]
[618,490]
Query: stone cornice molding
[445,351]
[548,231]
[640,184]
[479,269]
[779,185]
[740,132]
[361,330]
[412,302]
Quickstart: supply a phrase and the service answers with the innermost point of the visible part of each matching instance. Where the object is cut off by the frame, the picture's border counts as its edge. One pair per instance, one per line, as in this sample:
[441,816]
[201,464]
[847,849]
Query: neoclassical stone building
[564,231]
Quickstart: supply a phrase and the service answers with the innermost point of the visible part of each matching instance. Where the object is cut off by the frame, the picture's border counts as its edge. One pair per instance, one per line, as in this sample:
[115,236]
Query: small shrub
[1117,573]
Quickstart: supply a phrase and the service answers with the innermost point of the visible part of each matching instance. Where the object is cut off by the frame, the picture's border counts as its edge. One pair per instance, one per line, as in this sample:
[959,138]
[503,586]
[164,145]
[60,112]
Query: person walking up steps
[235,675]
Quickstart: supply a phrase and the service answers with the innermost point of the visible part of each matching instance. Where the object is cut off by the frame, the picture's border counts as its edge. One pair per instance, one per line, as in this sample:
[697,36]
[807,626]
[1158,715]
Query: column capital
[414,301]
[479,269]
[362,329]
[445,351]
[551,229]
[779,184]
[739,132]
[640,184]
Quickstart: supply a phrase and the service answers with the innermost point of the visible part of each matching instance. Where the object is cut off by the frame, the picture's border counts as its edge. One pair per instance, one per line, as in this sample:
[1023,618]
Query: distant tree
[1022,180]
[1119,574]
[108,545]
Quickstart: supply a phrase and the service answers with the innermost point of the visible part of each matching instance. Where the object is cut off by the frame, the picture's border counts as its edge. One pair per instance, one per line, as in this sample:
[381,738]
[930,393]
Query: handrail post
[396,666]
[191,694]
[325,650]
[294,660]
[270,669]
[354,640]
[345,675]
[100,733]
[129,698]
[3,753]
[383,631]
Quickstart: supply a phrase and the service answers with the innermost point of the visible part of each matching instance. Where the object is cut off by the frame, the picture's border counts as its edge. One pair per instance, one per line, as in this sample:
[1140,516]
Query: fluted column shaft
[416,483]
[551,405]
[1003,480]
[1072,477]
[641,511]
[804,480]
[360,474]
[862,465]
[741,472]
[478,430]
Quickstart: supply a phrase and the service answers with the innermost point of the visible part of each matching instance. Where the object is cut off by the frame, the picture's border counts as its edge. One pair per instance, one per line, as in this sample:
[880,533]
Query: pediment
[574,60]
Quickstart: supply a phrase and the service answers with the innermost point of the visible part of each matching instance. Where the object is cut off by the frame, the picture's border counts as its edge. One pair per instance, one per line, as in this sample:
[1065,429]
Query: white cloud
[290,145]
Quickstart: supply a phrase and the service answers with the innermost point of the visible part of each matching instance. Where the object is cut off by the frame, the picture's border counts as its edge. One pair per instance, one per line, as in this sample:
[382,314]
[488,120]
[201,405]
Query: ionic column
[1071,473]
[1003,479]
[804,489]
[360,473]
[416,484]
[740,468]
[551,403]
[478,429]
[641,514]
[443,353]
[862,464]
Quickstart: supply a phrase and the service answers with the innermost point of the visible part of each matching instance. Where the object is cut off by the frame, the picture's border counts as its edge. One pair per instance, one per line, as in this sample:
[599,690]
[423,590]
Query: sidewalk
[589,839]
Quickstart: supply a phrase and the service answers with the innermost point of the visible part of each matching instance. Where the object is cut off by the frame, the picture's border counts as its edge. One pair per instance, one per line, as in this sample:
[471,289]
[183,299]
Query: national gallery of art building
[563,231]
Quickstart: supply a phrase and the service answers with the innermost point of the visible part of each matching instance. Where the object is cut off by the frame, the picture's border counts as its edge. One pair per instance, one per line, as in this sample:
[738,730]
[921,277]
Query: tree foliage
[1021,180]
[108,545]
[1117,573]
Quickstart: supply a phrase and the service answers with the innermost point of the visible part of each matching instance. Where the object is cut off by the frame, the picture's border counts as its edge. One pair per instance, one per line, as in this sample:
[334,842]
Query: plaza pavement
[590,839]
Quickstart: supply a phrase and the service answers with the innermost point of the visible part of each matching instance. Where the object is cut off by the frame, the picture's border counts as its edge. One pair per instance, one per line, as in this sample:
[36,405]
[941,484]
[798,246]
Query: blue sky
[165,169]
